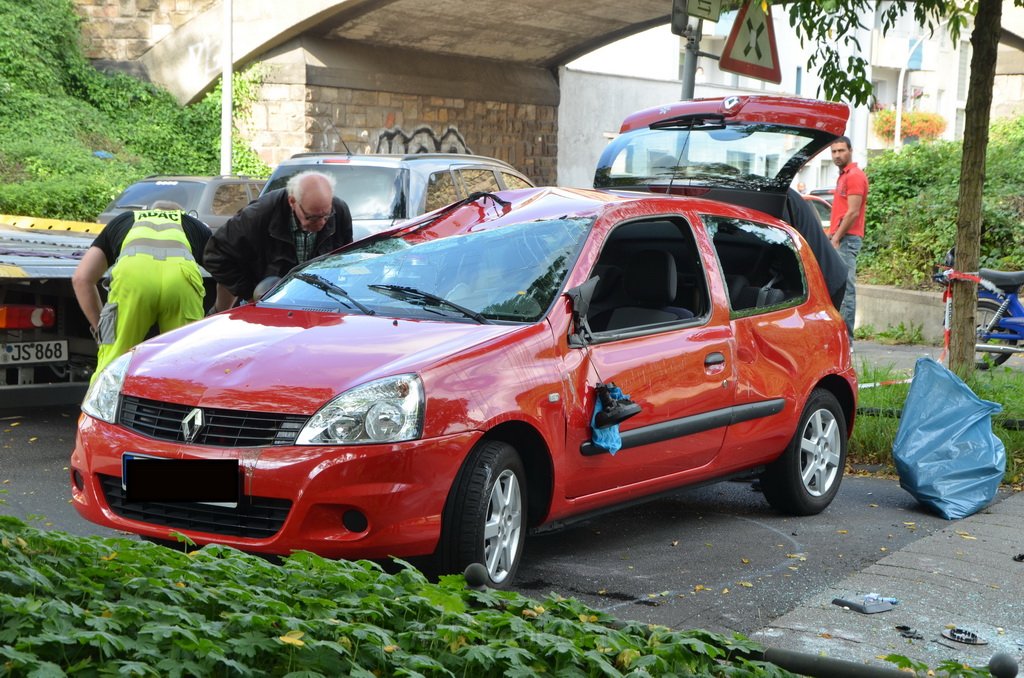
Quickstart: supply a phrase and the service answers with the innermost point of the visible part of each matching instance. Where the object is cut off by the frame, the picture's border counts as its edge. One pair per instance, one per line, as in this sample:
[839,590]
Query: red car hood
[280,360]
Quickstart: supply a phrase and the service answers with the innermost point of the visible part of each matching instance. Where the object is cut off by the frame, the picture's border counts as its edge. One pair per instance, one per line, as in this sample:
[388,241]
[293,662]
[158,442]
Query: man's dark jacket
[803,218]
[257,242]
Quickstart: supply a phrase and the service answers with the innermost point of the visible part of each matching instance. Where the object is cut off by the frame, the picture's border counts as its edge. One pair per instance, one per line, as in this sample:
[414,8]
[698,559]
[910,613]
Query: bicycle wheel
[983,316]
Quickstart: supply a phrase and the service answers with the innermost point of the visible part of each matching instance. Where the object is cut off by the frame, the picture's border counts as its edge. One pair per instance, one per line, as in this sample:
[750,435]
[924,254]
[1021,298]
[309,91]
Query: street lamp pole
[226,118]
[690,53]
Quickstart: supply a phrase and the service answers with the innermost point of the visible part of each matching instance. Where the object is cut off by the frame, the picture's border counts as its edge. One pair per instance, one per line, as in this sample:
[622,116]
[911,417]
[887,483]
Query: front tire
[805,479]
[983,315]
[485,519]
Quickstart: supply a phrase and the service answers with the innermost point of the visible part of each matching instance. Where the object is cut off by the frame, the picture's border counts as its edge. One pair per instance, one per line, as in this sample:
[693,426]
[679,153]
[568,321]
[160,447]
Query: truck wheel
[805,479]
[485,520]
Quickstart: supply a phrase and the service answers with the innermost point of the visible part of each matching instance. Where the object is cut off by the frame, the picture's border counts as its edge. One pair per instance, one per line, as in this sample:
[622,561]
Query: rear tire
[805,479]
[485,518]
[983,314]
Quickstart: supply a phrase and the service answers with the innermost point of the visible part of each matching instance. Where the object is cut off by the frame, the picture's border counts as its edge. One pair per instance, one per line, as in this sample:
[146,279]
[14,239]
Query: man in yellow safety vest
[154,258]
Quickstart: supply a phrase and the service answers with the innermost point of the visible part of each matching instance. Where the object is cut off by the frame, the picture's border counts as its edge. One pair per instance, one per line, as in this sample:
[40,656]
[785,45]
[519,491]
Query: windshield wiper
[407,293]
[322,283]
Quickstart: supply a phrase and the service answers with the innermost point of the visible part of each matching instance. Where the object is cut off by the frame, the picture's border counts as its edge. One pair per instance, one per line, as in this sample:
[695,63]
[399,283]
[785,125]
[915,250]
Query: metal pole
[690,53]
[226,91]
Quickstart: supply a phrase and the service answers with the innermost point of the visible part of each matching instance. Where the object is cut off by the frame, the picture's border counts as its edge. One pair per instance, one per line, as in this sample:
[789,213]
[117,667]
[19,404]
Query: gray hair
[167,205]
[294,185]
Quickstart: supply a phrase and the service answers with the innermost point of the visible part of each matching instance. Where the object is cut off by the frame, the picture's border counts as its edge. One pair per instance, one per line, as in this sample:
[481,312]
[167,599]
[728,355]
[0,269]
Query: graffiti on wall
[205,56]
[326,137]
[421,140]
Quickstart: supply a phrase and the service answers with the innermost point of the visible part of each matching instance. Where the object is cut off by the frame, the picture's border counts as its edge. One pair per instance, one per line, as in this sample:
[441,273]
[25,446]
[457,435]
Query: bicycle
[999,313]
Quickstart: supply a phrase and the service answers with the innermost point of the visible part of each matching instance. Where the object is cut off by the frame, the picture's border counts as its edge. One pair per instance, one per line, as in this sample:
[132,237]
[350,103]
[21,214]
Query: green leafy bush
[97,606]
[912,208]
[56,110]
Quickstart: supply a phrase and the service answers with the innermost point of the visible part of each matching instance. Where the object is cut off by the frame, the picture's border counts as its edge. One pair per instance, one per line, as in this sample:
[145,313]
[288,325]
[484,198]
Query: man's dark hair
[843,140]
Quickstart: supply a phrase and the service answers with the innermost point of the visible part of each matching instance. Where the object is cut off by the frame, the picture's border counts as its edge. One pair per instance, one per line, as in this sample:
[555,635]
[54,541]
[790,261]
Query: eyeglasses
[314,217]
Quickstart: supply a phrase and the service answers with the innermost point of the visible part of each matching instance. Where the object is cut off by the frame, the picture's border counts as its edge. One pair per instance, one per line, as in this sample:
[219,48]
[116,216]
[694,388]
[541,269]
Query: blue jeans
[849,248]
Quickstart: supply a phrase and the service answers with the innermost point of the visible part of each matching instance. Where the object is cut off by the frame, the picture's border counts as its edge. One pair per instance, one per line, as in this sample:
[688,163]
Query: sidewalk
[963,577]
[901,357]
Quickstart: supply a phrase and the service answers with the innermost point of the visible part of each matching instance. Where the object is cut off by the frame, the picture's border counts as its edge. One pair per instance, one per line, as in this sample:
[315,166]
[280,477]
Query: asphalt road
[715,557]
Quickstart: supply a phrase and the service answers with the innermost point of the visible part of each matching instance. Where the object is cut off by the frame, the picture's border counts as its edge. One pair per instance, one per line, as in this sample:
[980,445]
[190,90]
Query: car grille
[222,428]
[254,517]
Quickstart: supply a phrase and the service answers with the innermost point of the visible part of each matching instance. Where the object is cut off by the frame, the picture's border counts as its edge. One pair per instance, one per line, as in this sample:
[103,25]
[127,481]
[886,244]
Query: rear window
[144,194]
[746,155]
[370,192]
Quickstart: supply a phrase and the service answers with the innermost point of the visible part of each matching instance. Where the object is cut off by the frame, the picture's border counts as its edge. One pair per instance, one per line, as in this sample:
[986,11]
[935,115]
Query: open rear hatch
[742,150]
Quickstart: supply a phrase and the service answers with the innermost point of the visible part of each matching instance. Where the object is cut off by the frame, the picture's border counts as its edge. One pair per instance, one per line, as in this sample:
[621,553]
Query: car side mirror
[265,286]
[580,297]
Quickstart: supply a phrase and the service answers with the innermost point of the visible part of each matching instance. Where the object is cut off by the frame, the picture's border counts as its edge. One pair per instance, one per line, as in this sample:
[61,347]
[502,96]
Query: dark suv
[381,190]
[212,200]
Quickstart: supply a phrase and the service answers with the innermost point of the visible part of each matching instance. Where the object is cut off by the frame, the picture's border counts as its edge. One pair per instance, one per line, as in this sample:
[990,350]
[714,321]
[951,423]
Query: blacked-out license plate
[210,481]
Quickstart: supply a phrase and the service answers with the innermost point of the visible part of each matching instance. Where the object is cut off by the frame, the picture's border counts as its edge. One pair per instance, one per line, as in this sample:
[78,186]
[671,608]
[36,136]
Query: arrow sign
[705,9]
[750,49]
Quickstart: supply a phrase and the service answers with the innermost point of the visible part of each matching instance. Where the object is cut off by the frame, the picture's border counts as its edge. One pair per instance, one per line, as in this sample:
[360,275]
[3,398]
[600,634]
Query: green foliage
[912,208]
[831,27]
[100,606]
[891,336]
[56,110]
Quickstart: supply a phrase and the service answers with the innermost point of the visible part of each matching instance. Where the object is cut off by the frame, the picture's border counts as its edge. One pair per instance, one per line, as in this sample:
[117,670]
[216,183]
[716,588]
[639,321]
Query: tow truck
[47,354]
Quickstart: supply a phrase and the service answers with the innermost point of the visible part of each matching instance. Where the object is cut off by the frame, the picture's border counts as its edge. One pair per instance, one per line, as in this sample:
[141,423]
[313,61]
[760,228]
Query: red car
[822,207]
[507,362]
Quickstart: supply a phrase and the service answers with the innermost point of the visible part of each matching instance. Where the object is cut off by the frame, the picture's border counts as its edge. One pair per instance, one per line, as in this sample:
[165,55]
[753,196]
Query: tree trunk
[984,43]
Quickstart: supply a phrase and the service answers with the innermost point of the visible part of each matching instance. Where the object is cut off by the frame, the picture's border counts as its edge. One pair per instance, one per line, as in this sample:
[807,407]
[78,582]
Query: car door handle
[712,359]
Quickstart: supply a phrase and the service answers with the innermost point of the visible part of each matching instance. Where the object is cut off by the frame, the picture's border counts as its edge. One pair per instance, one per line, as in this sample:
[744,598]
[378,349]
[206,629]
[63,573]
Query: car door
[674,359]
[767,287]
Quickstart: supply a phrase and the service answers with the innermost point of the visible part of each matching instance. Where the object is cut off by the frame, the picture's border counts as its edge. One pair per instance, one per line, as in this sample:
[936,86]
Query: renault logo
[191,424]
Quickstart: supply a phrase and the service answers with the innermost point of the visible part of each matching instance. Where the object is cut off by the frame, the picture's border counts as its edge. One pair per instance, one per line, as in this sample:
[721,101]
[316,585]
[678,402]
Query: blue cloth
[607,437]
[945,452]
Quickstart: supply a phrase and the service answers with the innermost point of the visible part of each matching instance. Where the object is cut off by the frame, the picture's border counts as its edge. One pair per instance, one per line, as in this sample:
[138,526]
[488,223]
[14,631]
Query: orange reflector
[25,317]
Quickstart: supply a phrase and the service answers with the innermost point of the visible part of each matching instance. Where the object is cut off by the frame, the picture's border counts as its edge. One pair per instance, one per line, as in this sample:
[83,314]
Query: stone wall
[325,95]
[320,92]
[289,119]
[122,30]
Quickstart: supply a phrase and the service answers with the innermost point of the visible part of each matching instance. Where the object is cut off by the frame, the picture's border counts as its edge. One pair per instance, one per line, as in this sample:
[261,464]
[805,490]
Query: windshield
[370,192]
[512,273]
[754,156]
[142,195]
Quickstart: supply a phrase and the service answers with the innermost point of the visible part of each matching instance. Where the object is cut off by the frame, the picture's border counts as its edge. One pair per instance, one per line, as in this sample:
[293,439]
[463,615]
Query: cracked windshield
[509,274]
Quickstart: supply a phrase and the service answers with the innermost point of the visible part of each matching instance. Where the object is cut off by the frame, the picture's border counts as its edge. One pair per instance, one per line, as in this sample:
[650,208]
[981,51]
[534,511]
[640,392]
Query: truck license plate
[31,352]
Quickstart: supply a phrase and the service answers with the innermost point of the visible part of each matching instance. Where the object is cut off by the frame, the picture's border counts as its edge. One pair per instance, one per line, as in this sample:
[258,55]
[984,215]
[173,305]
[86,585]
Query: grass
[892,335]
[880,407]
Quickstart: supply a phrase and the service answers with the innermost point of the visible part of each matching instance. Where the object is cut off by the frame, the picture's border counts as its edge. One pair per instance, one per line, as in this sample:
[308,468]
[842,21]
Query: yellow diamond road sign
[750,49]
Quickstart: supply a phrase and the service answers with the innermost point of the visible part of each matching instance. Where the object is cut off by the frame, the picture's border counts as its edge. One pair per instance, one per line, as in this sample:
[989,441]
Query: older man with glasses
[275,233]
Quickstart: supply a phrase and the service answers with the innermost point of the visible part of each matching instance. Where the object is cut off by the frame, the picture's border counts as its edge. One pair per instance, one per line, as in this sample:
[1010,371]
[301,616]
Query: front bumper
[368,501]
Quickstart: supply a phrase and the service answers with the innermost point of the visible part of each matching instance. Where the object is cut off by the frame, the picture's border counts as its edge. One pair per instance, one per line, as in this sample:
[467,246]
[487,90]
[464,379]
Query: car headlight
[102,397]
[383,411]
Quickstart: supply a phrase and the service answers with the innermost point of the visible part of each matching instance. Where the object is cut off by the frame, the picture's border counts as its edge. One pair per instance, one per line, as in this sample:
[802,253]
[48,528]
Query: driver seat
[650,285]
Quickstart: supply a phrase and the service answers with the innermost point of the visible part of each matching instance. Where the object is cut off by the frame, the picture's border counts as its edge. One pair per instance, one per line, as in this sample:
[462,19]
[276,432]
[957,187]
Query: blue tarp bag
[945,452]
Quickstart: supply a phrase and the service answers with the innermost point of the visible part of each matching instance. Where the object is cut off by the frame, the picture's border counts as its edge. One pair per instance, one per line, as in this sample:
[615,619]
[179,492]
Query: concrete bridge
[377,74]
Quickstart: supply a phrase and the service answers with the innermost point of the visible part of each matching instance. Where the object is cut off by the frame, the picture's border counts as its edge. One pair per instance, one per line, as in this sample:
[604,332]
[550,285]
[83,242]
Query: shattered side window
[760,264]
